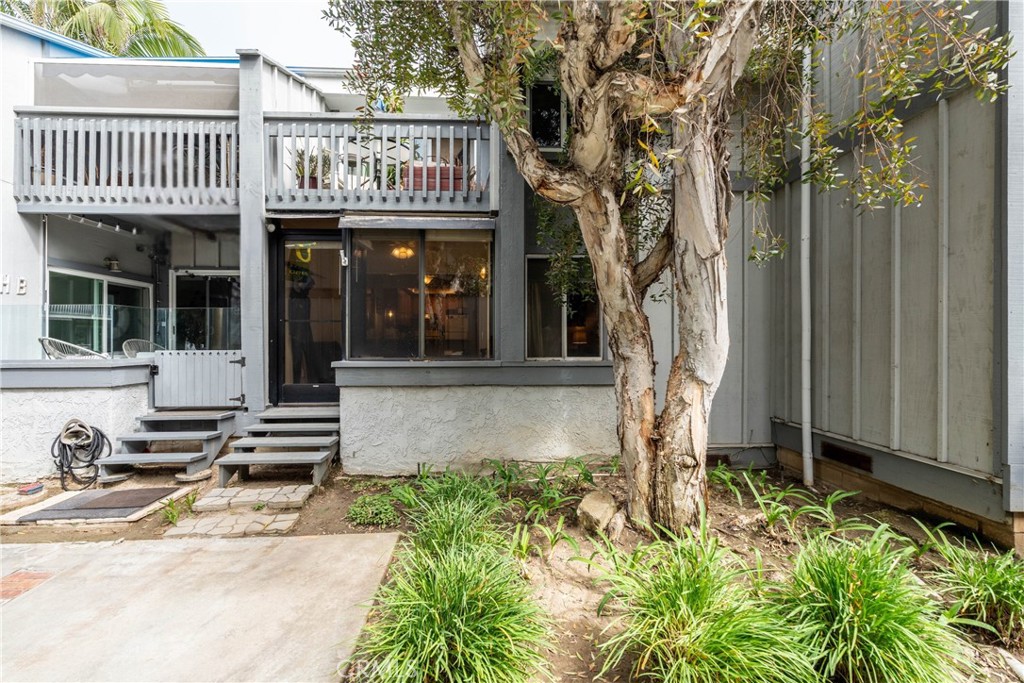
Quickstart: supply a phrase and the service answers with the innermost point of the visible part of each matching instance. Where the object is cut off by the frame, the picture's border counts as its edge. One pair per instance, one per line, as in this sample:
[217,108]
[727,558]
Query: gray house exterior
[238,214]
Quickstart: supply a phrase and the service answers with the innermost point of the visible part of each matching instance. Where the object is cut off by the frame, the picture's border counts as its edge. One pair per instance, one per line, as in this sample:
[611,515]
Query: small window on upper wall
[546,115]
[557,329]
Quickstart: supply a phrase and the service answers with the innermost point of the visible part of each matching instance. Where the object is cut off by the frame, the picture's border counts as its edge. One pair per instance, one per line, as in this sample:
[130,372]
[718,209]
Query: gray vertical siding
[740,414]
[903,317]
[1010,292]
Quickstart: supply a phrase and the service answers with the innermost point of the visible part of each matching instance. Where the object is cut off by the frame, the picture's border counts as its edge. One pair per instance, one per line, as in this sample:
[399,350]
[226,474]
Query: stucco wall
[389,430]
[31,418]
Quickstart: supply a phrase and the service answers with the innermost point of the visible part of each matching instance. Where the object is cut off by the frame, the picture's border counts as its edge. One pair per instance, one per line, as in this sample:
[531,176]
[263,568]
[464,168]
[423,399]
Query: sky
[291,32]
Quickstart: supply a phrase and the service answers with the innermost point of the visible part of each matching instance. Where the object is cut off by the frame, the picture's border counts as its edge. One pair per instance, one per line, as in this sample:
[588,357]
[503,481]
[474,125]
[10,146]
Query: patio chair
[133,347]
[57,349]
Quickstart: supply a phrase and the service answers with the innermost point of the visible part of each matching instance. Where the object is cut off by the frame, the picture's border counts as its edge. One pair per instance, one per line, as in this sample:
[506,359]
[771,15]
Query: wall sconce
[402,252]
[112,264]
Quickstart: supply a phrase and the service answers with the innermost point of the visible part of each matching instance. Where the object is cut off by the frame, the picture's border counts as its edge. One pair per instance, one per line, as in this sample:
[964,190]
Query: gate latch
[238,361]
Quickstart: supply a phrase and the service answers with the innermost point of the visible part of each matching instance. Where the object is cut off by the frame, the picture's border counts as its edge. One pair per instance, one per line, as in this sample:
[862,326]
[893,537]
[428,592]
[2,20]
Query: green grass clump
[689,617]
[865,617]
[373,510]
[443,524]
[461,615]
[983,586]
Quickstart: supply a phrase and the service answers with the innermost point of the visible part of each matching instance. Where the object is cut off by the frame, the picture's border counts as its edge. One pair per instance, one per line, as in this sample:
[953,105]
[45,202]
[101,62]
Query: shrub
[984,587]
[462,615]
[865,616]
[443,524]
[449,487]
[373,510]
[690,618]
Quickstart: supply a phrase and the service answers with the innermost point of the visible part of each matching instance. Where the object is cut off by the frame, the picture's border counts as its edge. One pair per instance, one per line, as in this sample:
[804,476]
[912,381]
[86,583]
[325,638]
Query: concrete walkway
[202,609]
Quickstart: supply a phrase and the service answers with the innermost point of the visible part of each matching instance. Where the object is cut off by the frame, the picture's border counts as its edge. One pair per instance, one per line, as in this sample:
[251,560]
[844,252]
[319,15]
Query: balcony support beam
[252,234]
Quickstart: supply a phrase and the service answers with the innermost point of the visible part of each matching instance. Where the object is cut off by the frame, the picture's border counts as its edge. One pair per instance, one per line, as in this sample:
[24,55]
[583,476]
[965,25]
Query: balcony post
[252,232]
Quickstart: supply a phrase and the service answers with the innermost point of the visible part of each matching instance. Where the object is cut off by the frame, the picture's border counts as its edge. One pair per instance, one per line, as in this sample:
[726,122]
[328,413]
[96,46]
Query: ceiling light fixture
[403,252]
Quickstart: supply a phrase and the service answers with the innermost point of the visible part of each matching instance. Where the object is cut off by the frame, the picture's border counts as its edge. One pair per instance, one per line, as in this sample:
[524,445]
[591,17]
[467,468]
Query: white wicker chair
[57,349]
[133,347]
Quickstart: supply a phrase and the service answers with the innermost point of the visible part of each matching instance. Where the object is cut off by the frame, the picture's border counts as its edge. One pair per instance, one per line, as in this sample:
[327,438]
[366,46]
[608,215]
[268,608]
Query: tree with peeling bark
[652,90]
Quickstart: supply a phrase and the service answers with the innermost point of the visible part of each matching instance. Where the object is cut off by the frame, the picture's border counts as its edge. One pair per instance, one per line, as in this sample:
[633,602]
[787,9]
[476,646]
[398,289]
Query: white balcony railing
[121,161]
[394,163]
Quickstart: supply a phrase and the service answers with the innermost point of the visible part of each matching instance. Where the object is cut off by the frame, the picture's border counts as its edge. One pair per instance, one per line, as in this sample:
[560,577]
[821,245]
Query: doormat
[112,505]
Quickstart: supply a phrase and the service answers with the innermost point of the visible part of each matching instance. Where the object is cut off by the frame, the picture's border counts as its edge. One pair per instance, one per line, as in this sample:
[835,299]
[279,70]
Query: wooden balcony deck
[393,163]
[186,162]
[125,161]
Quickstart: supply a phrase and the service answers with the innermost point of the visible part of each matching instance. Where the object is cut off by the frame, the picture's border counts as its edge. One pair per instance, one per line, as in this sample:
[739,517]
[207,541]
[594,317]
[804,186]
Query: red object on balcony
[449,176]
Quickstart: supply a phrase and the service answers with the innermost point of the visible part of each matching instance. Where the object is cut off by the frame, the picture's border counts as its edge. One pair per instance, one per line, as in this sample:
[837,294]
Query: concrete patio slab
[196,609]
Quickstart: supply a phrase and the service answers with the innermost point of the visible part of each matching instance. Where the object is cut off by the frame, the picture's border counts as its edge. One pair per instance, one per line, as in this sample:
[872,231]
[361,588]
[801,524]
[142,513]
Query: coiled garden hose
[75,452]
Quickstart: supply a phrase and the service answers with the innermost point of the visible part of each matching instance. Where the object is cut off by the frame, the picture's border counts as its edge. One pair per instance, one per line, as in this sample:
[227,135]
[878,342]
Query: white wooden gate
[198,379]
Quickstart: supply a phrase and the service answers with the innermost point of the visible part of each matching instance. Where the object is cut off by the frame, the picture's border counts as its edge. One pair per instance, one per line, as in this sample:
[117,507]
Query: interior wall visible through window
[421,294]
[557,329]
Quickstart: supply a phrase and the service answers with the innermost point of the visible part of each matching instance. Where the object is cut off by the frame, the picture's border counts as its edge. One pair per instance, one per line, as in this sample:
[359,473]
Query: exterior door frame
[276,328]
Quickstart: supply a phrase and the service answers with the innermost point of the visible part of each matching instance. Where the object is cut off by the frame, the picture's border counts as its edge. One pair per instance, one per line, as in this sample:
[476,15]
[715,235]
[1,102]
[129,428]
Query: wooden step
[239,463]
[187,415]
[151,458]
[292,427]
[281,458]
[143,437]
[293,413]
[323,442]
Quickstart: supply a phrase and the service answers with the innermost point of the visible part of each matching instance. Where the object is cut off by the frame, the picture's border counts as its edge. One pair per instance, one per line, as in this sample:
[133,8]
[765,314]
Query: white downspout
[805,276]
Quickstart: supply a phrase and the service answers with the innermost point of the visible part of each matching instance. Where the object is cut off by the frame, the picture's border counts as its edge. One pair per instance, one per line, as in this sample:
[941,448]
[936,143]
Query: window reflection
[457,281]
[421,294]
[557,329]
[385,294]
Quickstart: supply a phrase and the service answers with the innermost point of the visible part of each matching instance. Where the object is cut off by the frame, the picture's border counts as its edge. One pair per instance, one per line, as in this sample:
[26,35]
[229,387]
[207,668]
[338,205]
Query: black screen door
[312,319]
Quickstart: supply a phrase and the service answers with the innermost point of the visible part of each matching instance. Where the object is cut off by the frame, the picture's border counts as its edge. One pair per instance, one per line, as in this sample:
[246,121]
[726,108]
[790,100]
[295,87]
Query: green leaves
[865,617]
[688,616]
[126,28]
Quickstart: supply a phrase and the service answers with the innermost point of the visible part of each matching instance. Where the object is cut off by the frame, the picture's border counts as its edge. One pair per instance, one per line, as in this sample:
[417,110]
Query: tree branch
[619,37]
[650,268]
[559,185]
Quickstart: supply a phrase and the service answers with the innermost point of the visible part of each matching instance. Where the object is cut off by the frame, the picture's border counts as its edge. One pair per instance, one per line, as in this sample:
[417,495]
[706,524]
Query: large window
[420,294]
[99,313]
[557,328]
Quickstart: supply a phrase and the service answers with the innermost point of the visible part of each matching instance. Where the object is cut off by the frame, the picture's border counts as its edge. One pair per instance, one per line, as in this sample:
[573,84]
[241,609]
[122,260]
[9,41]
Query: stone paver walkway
[234,525]
[279,498]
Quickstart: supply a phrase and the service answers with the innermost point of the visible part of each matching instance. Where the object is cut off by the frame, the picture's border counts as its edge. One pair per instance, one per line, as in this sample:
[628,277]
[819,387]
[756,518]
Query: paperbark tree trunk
[664,456]
[703,197]
[629,337]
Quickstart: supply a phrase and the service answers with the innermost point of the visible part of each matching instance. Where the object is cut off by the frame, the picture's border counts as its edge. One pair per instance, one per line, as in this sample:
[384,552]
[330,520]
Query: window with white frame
[557,327]
[98,312]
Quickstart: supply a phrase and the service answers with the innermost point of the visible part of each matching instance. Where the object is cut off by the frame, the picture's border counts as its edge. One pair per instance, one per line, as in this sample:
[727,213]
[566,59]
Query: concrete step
[280,458]
[187,415]
[151,458]
[319,442]
[145,437]
[302,427]
[296,413]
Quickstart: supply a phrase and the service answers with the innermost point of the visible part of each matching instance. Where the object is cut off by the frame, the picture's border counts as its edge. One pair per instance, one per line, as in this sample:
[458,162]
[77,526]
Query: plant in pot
[319,163]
